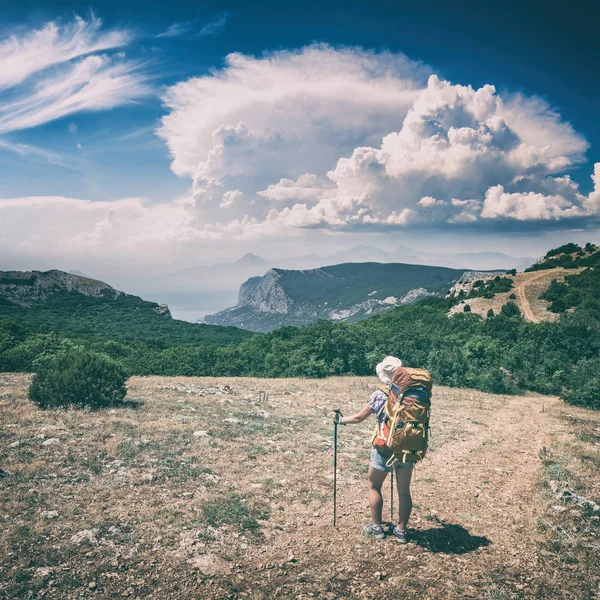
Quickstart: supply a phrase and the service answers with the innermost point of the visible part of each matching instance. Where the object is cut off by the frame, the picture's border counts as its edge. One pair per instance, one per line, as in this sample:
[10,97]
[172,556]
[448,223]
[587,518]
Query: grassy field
[214,488]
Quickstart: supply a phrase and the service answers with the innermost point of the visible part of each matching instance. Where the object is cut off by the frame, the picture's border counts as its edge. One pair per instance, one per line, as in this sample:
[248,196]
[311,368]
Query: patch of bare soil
[528,287]
[214,488]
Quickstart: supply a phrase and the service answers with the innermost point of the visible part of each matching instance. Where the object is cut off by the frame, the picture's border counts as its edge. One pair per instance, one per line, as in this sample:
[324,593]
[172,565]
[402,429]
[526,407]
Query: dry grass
[130,502]
[528,287]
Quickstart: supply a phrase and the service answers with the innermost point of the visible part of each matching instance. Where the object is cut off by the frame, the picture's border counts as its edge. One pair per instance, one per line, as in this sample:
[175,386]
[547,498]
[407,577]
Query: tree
[510,309]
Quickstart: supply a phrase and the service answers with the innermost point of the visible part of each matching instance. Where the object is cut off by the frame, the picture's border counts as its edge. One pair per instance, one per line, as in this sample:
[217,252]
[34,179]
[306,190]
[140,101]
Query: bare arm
[358,417]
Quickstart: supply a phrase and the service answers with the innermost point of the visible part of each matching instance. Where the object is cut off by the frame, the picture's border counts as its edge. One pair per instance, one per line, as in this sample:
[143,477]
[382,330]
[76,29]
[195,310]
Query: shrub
[490,313]
[512,297]
[467,308]
[510,309]
[583,385]
[78,378]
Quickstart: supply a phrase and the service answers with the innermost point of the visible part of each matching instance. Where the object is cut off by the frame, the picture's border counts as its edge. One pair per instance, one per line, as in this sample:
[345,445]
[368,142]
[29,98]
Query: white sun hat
[385,369]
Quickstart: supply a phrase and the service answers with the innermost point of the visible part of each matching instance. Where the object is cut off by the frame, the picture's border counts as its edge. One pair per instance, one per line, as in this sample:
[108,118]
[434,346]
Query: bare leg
[376,479]
[403,477]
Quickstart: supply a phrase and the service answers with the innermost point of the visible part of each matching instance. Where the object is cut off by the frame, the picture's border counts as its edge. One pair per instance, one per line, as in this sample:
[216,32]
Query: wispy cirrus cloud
[215,25]
[65,68]
[176,30]
[191,29]
[27,150]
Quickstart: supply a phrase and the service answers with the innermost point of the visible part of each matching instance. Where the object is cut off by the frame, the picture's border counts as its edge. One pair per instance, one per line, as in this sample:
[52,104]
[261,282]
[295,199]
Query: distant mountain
[194,292]
[346,292]
[74,305]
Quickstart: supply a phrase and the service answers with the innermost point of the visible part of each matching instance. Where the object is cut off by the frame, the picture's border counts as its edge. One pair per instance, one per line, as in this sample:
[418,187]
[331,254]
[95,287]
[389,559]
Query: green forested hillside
[123,317]
[350,283]
[502,354]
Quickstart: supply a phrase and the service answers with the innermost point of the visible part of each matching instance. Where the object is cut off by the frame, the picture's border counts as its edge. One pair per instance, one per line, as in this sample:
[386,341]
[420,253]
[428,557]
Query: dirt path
[474,521]
[521,293]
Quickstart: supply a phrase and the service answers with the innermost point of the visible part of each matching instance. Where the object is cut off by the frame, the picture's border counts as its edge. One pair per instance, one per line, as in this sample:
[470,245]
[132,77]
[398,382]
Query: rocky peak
[265,294]
[28,287]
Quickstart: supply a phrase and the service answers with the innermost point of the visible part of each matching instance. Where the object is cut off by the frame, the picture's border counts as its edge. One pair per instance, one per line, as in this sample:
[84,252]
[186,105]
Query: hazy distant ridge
[345,292]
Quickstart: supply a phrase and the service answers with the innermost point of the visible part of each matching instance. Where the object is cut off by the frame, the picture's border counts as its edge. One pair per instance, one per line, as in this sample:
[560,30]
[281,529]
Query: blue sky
[173,165]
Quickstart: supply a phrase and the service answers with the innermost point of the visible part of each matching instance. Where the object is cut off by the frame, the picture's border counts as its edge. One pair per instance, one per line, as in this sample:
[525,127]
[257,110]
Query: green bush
[467,308]
[510,309]
[78,378]
[583,385]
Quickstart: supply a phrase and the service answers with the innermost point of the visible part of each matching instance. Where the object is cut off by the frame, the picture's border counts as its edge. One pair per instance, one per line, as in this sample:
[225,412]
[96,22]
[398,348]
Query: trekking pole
[392,497]
[338,414]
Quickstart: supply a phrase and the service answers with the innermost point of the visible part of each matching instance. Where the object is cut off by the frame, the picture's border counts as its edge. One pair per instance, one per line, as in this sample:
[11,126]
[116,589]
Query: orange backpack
[403,434]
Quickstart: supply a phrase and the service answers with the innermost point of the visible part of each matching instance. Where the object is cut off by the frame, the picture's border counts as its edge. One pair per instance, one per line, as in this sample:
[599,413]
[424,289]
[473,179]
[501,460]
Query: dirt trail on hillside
[528,287]
[222,488]
[521,293]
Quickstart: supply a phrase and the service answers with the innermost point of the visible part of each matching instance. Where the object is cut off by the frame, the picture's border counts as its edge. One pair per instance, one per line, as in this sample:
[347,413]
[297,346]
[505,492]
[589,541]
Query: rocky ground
[213,488]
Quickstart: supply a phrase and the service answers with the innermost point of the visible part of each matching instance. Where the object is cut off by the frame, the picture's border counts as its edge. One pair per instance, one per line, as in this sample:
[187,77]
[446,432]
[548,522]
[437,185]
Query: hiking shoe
[374,531]
[400,536]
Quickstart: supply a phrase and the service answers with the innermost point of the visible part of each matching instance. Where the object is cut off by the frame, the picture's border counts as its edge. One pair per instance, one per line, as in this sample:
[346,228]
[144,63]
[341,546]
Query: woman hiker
[378,468]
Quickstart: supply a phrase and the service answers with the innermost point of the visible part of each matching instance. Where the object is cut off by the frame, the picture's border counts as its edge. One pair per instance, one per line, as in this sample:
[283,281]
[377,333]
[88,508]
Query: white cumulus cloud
[345,138]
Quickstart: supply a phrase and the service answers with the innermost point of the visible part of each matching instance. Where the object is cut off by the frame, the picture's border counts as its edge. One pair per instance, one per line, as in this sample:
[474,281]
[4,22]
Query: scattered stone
[232,420]
[14,444]
[92,585]
[50,442]
[201,434]
[558,508]
[50,514]
[86,535]
[210,564]
[291,559]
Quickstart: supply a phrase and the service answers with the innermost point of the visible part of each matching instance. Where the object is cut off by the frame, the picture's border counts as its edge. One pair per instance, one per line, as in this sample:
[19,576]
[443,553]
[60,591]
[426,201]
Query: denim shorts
[378,461]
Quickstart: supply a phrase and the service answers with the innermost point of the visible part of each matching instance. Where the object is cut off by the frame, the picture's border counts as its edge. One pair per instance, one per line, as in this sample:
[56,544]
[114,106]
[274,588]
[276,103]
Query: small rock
[291,559]
[201,434]
[50,514]
[14,444]
[92,585]
[86,535]
[210,564]
[50,442]
[558,508]
[378,576]
[232,420]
